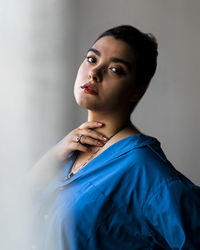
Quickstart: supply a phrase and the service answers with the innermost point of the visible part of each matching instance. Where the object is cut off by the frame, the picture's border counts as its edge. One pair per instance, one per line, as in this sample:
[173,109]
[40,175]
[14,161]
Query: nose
[95,74]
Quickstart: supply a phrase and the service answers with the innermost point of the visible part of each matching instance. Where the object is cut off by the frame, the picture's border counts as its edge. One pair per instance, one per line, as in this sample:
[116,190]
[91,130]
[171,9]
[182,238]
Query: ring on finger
[78,138]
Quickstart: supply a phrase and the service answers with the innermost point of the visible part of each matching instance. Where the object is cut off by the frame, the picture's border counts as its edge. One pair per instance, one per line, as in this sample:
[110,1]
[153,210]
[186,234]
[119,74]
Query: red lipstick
[89,88]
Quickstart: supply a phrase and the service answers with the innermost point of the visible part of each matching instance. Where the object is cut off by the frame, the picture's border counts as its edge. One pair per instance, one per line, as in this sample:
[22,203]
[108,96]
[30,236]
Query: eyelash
[119,71]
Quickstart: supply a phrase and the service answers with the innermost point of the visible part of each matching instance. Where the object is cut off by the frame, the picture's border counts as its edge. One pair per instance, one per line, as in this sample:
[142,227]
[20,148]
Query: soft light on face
[110,69]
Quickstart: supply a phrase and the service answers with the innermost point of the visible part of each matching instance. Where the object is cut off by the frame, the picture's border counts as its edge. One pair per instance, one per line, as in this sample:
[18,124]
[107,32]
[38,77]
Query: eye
[90,59]
[118,71]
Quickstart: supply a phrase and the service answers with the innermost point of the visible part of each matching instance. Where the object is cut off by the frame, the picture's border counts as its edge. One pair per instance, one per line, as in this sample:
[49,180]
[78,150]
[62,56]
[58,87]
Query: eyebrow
[113,59]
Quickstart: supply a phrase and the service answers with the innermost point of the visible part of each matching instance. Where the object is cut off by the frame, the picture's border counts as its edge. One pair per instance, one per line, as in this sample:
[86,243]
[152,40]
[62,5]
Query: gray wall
[43,42]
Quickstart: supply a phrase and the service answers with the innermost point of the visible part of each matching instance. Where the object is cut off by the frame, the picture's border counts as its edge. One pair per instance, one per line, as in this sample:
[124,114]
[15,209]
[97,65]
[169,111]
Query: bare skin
[108,109]
[46,168]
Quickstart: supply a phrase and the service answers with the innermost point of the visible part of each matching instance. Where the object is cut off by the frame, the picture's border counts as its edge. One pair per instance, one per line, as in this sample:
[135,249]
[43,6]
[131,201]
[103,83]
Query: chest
[87,210]
[83,159]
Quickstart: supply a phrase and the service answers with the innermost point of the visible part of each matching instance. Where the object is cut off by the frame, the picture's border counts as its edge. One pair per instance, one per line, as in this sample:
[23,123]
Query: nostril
[93,77]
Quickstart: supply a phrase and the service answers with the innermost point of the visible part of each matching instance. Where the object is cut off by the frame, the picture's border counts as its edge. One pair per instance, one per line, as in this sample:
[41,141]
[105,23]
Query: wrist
[58,153]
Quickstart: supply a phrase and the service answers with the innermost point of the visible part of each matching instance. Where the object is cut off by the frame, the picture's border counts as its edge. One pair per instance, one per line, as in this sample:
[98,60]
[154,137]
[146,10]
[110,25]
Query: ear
[138,93]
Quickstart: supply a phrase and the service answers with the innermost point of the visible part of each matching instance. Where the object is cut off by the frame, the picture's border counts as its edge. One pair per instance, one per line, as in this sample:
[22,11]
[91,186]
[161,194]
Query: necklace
[71,173]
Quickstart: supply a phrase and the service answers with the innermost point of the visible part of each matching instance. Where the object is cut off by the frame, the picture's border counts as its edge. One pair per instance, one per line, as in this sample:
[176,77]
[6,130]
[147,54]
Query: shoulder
[146,155]
[170,202]
[146,168]
[146,160]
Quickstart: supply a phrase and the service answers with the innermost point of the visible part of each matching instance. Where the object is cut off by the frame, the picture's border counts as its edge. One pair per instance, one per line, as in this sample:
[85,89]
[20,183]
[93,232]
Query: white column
[37,61]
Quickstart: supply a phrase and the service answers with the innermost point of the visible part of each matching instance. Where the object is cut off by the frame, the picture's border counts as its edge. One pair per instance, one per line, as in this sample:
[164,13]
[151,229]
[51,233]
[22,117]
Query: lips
[89,88]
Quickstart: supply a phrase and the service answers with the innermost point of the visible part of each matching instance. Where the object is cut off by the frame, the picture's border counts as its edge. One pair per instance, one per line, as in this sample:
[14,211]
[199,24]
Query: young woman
[106,185]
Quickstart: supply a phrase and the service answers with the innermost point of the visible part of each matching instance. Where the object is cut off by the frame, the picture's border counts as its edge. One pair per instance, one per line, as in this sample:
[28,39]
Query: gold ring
[78,138]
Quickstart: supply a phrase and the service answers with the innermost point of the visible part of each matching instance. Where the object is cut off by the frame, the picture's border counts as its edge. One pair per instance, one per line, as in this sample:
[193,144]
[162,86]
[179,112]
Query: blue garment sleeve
[172,213]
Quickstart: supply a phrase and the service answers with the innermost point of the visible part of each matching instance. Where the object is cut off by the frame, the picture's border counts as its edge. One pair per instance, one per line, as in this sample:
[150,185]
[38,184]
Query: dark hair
[144,46]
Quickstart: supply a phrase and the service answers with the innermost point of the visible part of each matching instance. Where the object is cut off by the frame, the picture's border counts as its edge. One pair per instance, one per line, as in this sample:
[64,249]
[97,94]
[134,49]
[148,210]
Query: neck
[112,121]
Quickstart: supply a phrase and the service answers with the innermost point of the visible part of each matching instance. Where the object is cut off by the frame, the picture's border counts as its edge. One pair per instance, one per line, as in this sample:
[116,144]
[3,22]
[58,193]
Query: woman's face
[105,79]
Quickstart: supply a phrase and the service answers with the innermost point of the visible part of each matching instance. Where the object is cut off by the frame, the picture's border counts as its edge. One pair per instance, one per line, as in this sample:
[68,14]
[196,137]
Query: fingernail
[100,143]
[89,150]
[99,123]
[105,138]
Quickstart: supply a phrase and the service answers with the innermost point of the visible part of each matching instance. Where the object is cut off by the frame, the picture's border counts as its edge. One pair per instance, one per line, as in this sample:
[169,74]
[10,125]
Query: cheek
[114,95]
[119,88]
[79,77]
[79,74]
[122,91]
[82,72]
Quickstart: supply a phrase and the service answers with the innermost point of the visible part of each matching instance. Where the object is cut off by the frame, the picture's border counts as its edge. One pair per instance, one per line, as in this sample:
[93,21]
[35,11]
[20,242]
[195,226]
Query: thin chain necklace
[71,173]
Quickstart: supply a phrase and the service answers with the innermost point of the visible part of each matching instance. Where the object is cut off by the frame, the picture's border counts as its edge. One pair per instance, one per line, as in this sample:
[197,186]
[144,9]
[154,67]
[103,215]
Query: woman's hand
[46,168]
[88,137]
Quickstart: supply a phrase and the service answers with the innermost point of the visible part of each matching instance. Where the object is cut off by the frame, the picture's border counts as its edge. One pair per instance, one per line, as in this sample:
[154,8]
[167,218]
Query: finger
[91,124]
[81,147]
[93,134]
[90,141]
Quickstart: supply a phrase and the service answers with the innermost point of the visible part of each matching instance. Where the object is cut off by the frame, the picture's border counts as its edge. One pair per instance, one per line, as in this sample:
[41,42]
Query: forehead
[112,47]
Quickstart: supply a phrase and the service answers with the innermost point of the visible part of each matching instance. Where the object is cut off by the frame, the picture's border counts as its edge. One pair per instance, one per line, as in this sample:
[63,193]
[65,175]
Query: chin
[83,103]
[88,105]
